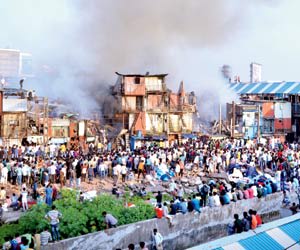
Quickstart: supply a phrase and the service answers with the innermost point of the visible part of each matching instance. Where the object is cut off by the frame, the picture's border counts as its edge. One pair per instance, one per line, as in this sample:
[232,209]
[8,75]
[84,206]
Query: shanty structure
[143,105]
[276,112]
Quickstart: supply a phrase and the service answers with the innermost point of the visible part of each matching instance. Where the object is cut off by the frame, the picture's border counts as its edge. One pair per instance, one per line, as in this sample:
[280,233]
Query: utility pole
[258,122]
[233,120]
[45,120]
[220,119]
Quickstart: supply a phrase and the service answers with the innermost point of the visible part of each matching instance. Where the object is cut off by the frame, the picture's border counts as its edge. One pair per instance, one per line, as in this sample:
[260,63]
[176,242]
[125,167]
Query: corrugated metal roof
[279,238]
[292,229]
[282,238]
[261,241]
[266,88]
[234,246]
[280,234]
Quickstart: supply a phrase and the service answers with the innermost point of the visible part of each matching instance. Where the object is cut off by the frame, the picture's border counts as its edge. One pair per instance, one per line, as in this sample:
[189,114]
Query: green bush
[80,218]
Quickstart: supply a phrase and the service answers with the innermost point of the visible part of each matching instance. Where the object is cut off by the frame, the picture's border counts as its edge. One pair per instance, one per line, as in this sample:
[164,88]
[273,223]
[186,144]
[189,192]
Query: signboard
[255,72]
[14,105]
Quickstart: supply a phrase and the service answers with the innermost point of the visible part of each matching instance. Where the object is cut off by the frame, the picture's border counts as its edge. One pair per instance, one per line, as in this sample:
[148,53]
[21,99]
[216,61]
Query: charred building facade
[143,105]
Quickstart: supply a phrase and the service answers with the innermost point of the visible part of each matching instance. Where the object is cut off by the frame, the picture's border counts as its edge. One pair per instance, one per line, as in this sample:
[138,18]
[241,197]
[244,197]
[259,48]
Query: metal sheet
[14,105]
[292,230]
[187,121]
[60,123]
[261,241]
[282,238]
[14,125]
[283,110]
[268,110]
[129,103]
[174,125]
[153,84]
[154,123]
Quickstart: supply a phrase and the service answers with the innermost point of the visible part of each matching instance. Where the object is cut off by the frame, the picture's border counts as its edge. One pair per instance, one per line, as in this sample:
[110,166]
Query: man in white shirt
[25,173]
[166,213]
[52,172]
[157,240]
[24,199]
[4,173]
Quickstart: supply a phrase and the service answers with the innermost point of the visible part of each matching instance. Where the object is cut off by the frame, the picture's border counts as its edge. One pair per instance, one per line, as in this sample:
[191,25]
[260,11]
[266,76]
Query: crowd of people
[254,168]
[250,220]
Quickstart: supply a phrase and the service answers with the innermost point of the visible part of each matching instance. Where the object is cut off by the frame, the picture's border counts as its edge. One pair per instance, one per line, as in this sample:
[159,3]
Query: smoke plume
[78,45]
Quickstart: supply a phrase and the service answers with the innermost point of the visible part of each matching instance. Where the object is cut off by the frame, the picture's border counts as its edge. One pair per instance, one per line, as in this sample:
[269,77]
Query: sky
[85,42]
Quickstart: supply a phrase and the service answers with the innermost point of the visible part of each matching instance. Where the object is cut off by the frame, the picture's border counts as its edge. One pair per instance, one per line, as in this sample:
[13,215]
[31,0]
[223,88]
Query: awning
[266,88]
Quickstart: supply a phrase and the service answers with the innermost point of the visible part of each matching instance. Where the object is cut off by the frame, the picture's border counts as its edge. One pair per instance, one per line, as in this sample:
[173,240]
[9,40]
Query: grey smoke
[85,42]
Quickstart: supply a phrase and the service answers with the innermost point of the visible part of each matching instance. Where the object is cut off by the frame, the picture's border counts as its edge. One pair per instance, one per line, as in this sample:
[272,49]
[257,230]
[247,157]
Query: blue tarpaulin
[188,136]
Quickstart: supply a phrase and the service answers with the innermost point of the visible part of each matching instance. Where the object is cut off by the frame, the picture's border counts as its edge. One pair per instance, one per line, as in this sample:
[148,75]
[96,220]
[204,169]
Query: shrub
[80,218]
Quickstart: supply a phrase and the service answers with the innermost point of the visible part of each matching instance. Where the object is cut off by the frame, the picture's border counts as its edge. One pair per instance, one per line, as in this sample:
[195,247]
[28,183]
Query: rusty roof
[142,75]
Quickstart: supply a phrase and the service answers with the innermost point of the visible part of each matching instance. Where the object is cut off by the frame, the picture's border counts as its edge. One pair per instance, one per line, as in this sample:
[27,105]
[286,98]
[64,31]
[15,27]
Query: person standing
[2,194]
[61,178]
[204,190]
[141,169]
[159,197]
[157,240]
[71,176]
[54,217]
[123,172]
[24,199]
[1,213]
[34,189]
[49,193]
[19,174]
[78,173]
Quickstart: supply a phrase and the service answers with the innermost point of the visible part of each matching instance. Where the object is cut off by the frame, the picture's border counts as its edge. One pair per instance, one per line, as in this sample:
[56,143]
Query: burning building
[143,105]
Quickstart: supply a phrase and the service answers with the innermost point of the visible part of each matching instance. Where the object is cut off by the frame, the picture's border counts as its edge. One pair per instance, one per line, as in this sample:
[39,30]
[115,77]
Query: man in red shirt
[258,218]
[159,211]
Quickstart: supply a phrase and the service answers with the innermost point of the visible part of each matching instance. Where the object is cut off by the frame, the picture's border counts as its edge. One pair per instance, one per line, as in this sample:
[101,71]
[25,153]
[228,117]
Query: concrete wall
[189,230]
